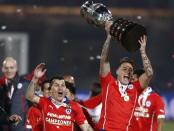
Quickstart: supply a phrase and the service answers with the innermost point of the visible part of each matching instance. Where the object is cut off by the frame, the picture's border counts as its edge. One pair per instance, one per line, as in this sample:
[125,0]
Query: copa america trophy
[125,31]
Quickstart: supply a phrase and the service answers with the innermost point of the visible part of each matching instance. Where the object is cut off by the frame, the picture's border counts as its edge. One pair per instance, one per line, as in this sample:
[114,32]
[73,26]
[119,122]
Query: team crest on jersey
[68,111]
[148,103]
[130,86]
[19,86]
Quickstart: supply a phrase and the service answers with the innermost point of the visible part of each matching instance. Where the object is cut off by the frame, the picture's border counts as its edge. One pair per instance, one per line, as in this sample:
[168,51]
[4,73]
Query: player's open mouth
[126,78]
[60,93]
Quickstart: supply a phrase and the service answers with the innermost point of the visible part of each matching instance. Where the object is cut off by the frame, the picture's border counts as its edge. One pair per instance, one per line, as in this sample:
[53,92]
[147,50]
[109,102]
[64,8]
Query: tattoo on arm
[146,63]
[31,90]
[32,85]
[105,52]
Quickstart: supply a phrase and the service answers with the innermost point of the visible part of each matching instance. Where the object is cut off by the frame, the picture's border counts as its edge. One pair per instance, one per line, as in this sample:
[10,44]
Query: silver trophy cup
[125,31]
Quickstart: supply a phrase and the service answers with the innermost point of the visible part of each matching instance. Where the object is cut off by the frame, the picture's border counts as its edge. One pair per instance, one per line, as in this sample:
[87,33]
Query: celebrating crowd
[124,103]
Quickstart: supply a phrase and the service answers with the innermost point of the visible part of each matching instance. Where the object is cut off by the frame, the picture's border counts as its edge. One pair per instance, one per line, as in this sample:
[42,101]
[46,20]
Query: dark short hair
[55,78]
[138,72]
[126,60]
[71,87]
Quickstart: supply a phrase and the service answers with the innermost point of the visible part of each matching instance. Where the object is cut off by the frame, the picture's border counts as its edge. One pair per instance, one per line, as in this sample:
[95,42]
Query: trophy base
[128,33]
[130,38]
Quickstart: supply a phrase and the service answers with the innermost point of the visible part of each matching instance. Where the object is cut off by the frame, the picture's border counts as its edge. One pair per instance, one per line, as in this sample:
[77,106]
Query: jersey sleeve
[29,119]
[159,107]
[33,117]
[104,81]
[138,86]
[79,115]
[42,103]
[92,102]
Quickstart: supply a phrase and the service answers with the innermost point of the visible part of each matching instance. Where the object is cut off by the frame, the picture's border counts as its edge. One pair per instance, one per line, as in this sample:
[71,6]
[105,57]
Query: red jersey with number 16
[117,112]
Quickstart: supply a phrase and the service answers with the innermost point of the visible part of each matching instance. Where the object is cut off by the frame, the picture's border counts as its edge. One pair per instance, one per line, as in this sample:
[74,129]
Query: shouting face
[124,73]
[58,89]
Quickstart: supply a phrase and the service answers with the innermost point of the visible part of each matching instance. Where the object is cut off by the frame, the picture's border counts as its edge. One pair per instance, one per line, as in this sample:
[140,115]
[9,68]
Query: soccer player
[34,115]
[119,95]
[59,113]
[149,112]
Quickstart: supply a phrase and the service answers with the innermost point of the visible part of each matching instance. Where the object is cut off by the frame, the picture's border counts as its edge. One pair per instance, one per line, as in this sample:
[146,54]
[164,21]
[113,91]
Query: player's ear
[117,72]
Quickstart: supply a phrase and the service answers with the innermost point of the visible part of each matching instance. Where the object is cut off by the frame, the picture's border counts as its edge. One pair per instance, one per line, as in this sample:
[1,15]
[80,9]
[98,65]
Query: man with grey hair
[12,91]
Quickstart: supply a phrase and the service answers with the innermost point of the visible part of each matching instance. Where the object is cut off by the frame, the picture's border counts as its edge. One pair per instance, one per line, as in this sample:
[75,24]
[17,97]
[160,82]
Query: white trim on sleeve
[161,116]
[28,126]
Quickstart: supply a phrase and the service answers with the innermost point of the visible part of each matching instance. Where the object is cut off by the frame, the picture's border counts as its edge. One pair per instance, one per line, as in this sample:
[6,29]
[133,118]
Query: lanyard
[11,88]
[122,89]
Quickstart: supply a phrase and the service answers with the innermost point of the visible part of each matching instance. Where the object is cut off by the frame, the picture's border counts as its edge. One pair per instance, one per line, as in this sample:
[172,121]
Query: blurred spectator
[70,91]
[12,93]
[46,88]
[70,87]
[69,78]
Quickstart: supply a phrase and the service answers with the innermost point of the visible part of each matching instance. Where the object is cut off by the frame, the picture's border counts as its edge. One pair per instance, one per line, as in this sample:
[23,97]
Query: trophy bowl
[126,32]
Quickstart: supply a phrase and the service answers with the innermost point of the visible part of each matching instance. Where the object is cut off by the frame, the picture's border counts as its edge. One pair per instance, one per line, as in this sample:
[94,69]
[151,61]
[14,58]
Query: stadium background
[52,31]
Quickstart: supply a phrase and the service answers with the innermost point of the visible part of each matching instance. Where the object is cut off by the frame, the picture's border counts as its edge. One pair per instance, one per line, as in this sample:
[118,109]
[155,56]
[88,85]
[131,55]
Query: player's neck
[122,84]
[57,99]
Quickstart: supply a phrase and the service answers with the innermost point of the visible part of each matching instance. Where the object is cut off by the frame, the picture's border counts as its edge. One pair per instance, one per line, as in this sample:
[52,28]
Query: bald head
[9,67]
[69,78]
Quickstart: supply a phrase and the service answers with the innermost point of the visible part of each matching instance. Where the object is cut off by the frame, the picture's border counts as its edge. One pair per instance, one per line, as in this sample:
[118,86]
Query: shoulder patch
[19,86]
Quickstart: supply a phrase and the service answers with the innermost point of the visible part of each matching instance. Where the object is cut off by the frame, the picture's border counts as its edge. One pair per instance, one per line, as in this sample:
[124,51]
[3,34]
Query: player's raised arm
[104,63]
[147,76]
[38,73]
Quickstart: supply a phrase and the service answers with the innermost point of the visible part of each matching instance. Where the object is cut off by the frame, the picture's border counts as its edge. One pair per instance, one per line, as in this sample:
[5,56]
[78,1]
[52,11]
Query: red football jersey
[150,107]
[117,112]
[91,103]
[60,117]
[34,119]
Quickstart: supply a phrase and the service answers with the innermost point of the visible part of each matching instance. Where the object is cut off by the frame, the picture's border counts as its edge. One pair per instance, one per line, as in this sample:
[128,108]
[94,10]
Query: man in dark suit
[12,91]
